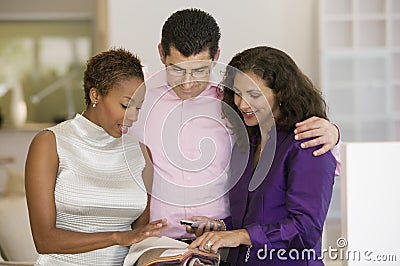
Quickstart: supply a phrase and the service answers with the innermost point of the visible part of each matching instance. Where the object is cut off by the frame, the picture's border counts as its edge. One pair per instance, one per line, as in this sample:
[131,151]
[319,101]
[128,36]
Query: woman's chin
[251,122]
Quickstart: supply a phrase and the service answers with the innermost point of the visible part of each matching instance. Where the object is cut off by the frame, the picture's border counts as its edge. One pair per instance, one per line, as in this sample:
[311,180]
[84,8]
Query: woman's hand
[212,241]
[205,225]
[128,238]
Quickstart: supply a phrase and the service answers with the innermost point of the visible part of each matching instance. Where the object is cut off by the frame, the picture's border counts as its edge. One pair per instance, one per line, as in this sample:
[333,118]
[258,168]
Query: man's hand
[321,130]
[205,225]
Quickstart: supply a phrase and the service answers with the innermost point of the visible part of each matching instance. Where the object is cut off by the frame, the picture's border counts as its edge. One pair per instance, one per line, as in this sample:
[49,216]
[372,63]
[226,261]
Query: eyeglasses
[195,73]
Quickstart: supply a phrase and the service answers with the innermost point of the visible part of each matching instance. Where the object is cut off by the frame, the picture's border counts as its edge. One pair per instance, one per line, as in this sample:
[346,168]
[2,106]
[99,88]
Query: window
[47,59]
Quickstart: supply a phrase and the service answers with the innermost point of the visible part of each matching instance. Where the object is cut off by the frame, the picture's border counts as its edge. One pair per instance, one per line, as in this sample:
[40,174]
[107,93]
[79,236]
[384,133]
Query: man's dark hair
[190,31]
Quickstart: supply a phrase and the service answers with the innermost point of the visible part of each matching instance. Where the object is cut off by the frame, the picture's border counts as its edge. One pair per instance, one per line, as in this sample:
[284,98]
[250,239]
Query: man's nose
[187,80]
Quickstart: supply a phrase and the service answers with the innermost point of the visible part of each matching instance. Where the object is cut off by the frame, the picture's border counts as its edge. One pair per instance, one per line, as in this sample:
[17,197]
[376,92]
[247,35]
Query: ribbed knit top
[99,188]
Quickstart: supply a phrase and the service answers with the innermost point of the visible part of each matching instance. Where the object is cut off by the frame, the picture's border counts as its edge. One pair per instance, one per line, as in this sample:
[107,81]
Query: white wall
[285,24]
[370,203]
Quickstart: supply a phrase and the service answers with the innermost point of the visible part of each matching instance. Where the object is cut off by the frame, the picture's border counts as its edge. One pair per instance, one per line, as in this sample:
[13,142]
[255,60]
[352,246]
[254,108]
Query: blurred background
[43,48]
[349,48]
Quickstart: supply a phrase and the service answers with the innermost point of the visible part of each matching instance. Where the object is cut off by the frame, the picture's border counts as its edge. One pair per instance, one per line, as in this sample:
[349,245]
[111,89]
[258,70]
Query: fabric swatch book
[163,250]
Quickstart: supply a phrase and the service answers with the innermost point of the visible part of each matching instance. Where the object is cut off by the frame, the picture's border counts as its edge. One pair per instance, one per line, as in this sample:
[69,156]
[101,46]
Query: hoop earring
[94,104]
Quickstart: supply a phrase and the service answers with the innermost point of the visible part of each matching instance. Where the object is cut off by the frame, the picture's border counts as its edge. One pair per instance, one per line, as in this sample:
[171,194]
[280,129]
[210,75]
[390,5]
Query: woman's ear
[94,96]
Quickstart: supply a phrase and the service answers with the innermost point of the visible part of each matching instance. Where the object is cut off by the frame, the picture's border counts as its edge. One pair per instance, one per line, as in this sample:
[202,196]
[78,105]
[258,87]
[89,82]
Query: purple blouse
[285,214]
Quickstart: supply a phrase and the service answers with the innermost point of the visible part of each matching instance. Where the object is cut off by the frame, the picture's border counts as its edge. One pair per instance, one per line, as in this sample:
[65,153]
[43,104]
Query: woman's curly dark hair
[106,69]
[296,95]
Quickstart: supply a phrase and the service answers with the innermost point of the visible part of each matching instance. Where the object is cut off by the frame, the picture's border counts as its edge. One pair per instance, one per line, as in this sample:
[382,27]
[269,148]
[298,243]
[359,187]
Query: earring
[280,104]
[94,104]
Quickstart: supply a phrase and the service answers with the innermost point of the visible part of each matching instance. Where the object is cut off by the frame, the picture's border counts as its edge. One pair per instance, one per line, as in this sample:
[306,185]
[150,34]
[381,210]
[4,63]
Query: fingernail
[296,137]
[302,145]
[295,131]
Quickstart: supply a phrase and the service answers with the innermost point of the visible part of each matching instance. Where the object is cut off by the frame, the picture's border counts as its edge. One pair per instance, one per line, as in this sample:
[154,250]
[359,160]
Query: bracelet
[222,222]
[338,130]
[246,259]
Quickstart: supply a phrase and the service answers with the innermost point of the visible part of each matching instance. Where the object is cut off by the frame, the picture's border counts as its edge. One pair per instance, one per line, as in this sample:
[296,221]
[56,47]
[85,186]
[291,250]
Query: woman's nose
[242,103]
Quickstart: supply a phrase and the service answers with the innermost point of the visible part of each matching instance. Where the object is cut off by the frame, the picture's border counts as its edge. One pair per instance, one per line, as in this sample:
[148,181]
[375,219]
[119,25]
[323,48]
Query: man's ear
[216,56]
[161,53]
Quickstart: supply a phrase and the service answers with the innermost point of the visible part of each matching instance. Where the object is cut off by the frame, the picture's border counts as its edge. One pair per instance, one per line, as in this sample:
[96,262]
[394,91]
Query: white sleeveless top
[99,188]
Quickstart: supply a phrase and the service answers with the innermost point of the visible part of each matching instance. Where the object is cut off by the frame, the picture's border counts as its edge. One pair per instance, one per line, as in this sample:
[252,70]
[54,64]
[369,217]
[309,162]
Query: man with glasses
[181,124]
[199,73]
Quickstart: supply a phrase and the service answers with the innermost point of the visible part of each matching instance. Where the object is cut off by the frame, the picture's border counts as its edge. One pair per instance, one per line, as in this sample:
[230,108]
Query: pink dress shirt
[190,146]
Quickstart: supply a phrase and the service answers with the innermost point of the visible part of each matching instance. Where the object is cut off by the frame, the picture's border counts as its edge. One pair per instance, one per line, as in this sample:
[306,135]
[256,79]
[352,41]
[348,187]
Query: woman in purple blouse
[280,201]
